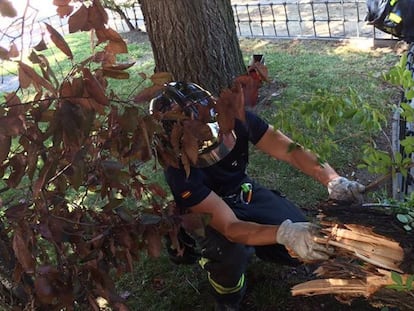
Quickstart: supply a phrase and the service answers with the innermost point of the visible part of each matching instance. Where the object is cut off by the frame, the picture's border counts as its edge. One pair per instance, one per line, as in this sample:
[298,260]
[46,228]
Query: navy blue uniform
[225,176]
[226,261]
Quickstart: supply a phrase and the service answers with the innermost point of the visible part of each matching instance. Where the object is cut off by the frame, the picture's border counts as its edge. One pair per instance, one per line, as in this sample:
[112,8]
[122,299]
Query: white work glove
[299,237]
[342,189]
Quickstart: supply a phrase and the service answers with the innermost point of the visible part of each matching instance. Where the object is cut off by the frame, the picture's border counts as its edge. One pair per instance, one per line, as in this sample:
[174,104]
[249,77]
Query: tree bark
[194,40]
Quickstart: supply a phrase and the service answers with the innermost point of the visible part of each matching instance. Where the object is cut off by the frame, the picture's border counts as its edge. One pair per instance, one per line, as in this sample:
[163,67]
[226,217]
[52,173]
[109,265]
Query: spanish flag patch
[186,194]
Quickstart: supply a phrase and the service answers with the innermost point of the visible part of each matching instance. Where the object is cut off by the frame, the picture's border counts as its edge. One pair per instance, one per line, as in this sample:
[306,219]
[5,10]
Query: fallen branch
[369,247]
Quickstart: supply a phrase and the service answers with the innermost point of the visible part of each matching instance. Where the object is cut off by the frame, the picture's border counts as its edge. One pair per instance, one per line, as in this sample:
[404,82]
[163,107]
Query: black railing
[326,19]
[333,19]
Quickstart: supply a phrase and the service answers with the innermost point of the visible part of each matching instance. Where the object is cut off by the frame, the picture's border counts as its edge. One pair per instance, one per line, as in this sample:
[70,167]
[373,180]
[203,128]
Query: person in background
[244,215]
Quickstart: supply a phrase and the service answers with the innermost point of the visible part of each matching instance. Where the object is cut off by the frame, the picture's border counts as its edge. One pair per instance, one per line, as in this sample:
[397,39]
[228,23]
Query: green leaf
[407,228]
[396,277]
[409,282]
[409,94]
[403,218]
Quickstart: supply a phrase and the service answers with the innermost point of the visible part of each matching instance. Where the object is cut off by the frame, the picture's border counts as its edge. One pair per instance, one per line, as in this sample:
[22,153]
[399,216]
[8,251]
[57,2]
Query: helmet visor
[217,148]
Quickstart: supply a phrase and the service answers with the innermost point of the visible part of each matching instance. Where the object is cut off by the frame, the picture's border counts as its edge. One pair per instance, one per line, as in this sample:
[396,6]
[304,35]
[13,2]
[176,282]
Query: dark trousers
[226,262]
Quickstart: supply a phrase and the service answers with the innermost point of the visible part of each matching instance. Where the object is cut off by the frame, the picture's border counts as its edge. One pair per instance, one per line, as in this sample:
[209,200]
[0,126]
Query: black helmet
[193,102]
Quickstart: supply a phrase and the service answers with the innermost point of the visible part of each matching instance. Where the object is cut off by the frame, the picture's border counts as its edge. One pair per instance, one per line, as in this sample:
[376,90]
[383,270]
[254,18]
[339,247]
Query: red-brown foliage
[72,157]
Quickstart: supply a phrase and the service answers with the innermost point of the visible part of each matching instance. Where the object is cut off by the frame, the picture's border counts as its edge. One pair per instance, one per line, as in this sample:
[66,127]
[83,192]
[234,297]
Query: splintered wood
[364,244]
[363,260]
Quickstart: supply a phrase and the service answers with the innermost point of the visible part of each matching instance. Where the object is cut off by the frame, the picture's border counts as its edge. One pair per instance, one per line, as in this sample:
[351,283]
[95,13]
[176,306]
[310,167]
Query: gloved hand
[342,189]
[299,237]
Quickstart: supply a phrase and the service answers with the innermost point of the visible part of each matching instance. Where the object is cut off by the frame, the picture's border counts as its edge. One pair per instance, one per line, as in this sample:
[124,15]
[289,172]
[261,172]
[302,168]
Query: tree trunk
[194,40]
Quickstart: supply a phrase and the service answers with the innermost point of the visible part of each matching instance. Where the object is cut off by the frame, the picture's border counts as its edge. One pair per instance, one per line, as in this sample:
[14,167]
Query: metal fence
[320,19]
[329,19]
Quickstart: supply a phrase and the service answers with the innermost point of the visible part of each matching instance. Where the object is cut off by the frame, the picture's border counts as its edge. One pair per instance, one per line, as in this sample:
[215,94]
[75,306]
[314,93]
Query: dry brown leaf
[175,138]
[43,177]
[102,35]
[108,34]
[116,74]
[198,129]
[34,58]
[161,78]
[61,2]
[41,46]
[65,90]
[18,165]
[185,161]
[16,107]
[116,43]
[64,10]
[28,76]
[129,259]
[190,146]
[22,251]
[17,212]
[5,144]
[44,290]
[12,125]
[225,111]
[147,94]
[240,94]
[79,20]
[13,52]
[25,79]
[7,9]
[97,15]
[70,118]
[4,53]
[141,146]
[78,86]
[117,47]
[95,90]
[120,66]
[59,41]
[153,241]
[262,71]
[250,90]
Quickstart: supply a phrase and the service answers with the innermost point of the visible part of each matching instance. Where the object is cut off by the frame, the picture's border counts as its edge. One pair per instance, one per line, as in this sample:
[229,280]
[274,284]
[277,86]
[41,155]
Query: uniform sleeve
[256,127]
[187,191]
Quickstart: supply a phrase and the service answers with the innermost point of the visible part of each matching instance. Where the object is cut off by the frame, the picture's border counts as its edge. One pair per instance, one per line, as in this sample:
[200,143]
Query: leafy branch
[406,285]
[323,117]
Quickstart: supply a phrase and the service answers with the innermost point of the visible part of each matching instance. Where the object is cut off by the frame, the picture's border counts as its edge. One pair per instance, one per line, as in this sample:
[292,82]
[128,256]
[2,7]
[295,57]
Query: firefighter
[245,217]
